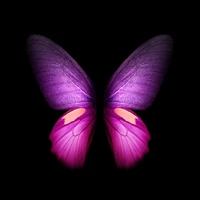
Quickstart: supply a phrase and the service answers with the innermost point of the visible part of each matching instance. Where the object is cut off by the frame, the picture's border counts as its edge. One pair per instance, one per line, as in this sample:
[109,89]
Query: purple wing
[134,86]
[62,81]
[65,86]
[137,81]
[71,136]
[128,136]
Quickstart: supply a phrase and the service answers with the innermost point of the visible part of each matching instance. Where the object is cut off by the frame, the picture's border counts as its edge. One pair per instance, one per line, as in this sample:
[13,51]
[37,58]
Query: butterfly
[66,86]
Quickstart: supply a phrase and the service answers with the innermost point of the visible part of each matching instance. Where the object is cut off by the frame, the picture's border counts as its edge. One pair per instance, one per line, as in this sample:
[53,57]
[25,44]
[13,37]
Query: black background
[100,48]
[100,56]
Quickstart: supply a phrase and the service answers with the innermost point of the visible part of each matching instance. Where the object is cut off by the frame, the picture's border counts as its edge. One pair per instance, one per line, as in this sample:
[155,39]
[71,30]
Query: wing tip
[36,37]
[32,38]
[164,37]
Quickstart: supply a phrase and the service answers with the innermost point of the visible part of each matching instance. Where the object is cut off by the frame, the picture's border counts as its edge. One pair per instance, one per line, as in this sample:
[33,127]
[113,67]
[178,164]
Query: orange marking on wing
[73,115]
[126,115]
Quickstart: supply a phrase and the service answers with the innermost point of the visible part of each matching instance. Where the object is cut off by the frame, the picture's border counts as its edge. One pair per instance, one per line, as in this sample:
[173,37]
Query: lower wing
[128,136]
[71,136]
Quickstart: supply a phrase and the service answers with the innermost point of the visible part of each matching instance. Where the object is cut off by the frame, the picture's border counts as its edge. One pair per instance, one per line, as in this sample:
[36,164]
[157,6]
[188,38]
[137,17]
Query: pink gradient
[71,140]
[73,115]
[126,115]
[129,141]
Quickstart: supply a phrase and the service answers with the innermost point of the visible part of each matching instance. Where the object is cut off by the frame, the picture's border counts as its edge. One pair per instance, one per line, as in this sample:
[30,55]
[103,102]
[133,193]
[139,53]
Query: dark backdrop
[99,50]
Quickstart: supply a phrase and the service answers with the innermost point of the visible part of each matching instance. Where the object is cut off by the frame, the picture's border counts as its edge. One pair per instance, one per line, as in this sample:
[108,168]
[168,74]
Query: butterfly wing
[62,81]
[71,136]
[137,81]
[128,136]
[65,86]
[134,86]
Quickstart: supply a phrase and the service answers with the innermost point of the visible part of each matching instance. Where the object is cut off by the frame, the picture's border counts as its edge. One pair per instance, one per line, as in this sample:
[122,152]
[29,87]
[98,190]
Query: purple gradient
[62,81]
[70,142]
[137,81]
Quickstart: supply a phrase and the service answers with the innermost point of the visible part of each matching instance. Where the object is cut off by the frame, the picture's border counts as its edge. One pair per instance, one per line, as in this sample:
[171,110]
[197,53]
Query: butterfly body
[133,86]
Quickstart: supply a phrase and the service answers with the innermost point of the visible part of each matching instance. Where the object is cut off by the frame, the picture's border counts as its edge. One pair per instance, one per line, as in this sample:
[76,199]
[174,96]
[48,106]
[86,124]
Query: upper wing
[62,81]
[71,136]
[137,81]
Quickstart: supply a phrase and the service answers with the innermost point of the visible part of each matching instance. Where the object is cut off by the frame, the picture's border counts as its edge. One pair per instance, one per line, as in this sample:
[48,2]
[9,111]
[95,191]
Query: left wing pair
[65,86]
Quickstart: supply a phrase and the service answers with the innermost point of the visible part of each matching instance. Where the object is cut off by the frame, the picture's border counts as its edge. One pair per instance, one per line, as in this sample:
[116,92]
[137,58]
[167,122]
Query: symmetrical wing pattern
[65,86]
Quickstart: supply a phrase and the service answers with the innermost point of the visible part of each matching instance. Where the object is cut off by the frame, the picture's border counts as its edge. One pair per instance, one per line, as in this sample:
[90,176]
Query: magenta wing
[137,81]
[65,86]
[134,86]
[71,136]
[62,81]
[128,136]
